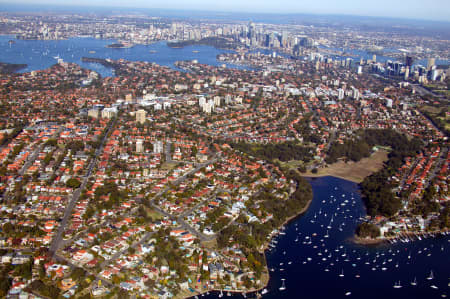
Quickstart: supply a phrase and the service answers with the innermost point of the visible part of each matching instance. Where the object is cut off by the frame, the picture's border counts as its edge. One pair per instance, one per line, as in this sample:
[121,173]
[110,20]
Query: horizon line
[64,5]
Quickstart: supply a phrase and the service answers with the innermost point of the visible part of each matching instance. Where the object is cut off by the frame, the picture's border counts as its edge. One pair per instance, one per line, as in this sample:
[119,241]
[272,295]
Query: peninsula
[7,68]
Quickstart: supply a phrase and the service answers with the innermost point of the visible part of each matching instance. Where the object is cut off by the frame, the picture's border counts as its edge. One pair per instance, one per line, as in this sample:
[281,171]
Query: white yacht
[283,286]
[397,285]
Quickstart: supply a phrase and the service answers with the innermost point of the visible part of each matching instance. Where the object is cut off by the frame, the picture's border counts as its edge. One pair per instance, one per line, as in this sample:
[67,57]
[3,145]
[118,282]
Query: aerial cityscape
[245,150]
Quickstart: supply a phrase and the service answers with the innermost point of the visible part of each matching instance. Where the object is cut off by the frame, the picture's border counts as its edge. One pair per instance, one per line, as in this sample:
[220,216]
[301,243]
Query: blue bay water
[38,54]
[304,269]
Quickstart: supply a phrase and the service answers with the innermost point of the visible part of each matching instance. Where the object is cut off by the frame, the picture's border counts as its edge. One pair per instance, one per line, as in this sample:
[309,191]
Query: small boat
[283,286]
[433,287]
[264,291]
[431,275]
[414,282]
[342,273]
[397,285]
[348,293]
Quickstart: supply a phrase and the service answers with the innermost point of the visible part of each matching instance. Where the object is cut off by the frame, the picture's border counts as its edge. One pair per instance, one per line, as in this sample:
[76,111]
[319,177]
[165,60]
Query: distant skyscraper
[158,147]
[409,61]
[341,94]
[129,98]
[389,103]
[431,63]
[434,74]
[140,116]
[217,101]
[251,30]
[139,146]
[406,76]
[284,39]
[356,94]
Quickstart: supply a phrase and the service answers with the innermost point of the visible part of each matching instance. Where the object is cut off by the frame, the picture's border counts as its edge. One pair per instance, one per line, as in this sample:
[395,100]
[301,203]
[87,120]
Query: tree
[7,228]
[366,229]
[73,183]
[51,142]
[75,146]
[78,273]
[5,284]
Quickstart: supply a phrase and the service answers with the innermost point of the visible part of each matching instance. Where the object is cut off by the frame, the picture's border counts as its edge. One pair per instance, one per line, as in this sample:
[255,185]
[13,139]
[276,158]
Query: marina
[303,257]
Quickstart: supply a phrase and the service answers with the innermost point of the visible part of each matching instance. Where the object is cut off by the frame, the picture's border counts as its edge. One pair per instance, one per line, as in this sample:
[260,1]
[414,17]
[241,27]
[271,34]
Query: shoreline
[351,171]
[367,241]
[265,276]
[314,176]
[408,236]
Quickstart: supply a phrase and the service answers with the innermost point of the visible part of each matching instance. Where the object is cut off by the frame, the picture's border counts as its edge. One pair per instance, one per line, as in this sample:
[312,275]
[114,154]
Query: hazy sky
[417,9]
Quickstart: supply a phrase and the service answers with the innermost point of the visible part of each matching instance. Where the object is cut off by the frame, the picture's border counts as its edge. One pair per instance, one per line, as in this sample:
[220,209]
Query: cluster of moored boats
[328,224]
[410,237]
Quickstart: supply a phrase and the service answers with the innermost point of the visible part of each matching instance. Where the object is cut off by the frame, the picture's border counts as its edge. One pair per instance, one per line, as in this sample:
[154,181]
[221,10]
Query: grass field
[435,111]
[169,165]
[154,214]
[353,171]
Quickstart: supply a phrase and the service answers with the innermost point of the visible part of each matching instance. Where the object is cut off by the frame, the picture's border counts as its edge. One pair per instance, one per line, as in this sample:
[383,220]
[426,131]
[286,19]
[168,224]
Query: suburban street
[56,241]
[179,219]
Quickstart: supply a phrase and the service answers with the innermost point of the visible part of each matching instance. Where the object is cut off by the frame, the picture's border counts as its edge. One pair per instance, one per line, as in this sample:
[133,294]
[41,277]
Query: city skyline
[436,10]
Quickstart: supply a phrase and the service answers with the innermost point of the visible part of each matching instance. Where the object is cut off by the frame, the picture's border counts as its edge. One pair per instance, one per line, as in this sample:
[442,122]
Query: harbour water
[39,54]
[317,259]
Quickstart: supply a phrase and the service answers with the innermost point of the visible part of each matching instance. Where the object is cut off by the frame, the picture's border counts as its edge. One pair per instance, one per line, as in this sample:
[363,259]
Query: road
[167,149]
[31,160]
[437,167]
[62,259]
[36,152]
[144,239]
[56,242]
[179,219]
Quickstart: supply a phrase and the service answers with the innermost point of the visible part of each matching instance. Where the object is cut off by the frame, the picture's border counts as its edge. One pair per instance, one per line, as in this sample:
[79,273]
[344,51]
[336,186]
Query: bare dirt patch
[353,171]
